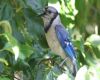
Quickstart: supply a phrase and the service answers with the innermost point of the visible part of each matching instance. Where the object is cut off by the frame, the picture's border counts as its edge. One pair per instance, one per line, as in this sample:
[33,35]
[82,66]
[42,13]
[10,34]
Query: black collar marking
[49,25]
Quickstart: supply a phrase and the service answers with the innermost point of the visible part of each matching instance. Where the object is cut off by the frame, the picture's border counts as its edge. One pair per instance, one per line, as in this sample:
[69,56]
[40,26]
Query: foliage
[23,46]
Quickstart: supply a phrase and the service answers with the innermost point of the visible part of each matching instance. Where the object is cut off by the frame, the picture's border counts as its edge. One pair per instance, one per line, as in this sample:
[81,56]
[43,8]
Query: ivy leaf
[94,40]
[37,5]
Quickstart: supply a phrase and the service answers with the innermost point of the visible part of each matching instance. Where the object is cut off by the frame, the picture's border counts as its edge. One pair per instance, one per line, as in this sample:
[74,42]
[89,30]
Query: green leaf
[4,78]
[52,1]
[94,40]
[25,51]
[37,5]
[6,26]
[4,61]
[11,45]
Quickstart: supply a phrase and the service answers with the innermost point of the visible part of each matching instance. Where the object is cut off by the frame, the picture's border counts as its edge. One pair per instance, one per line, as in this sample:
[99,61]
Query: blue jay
[57,37]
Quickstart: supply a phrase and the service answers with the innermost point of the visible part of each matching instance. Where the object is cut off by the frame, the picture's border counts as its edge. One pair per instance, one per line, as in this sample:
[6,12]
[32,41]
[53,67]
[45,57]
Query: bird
[58,37]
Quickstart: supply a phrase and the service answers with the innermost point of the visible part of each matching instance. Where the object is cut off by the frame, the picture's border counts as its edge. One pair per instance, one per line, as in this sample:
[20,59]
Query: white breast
[54,43]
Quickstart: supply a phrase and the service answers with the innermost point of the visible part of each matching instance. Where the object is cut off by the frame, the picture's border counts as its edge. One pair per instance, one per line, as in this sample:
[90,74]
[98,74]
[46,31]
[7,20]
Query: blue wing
[65,42]
[63,38]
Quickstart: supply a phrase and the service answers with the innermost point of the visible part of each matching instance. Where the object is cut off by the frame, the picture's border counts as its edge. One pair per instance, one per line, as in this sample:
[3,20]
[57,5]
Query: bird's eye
[49,12]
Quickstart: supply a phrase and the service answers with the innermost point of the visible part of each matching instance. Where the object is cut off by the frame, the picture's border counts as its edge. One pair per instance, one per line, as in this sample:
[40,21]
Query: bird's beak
[42,14]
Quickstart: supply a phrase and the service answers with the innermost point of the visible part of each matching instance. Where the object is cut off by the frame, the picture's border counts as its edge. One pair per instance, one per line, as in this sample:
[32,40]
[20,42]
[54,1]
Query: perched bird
[57,37]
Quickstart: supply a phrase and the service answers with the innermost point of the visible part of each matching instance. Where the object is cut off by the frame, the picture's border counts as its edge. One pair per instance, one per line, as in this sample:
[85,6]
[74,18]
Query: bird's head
[49,15]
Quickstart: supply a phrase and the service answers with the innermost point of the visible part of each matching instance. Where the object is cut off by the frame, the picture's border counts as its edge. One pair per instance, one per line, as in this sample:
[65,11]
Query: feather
[63,38]
[65,42]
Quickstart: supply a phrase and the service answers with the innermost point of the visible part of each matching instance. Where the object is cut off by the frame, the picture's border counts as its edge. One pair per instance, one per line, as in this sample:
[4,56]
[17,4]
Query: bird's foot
[63,62]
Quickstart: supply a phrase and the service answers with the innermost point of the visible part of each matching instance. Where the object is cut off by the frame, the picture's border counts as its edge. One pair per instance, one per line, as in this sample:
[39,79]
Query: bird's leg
[63,62]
